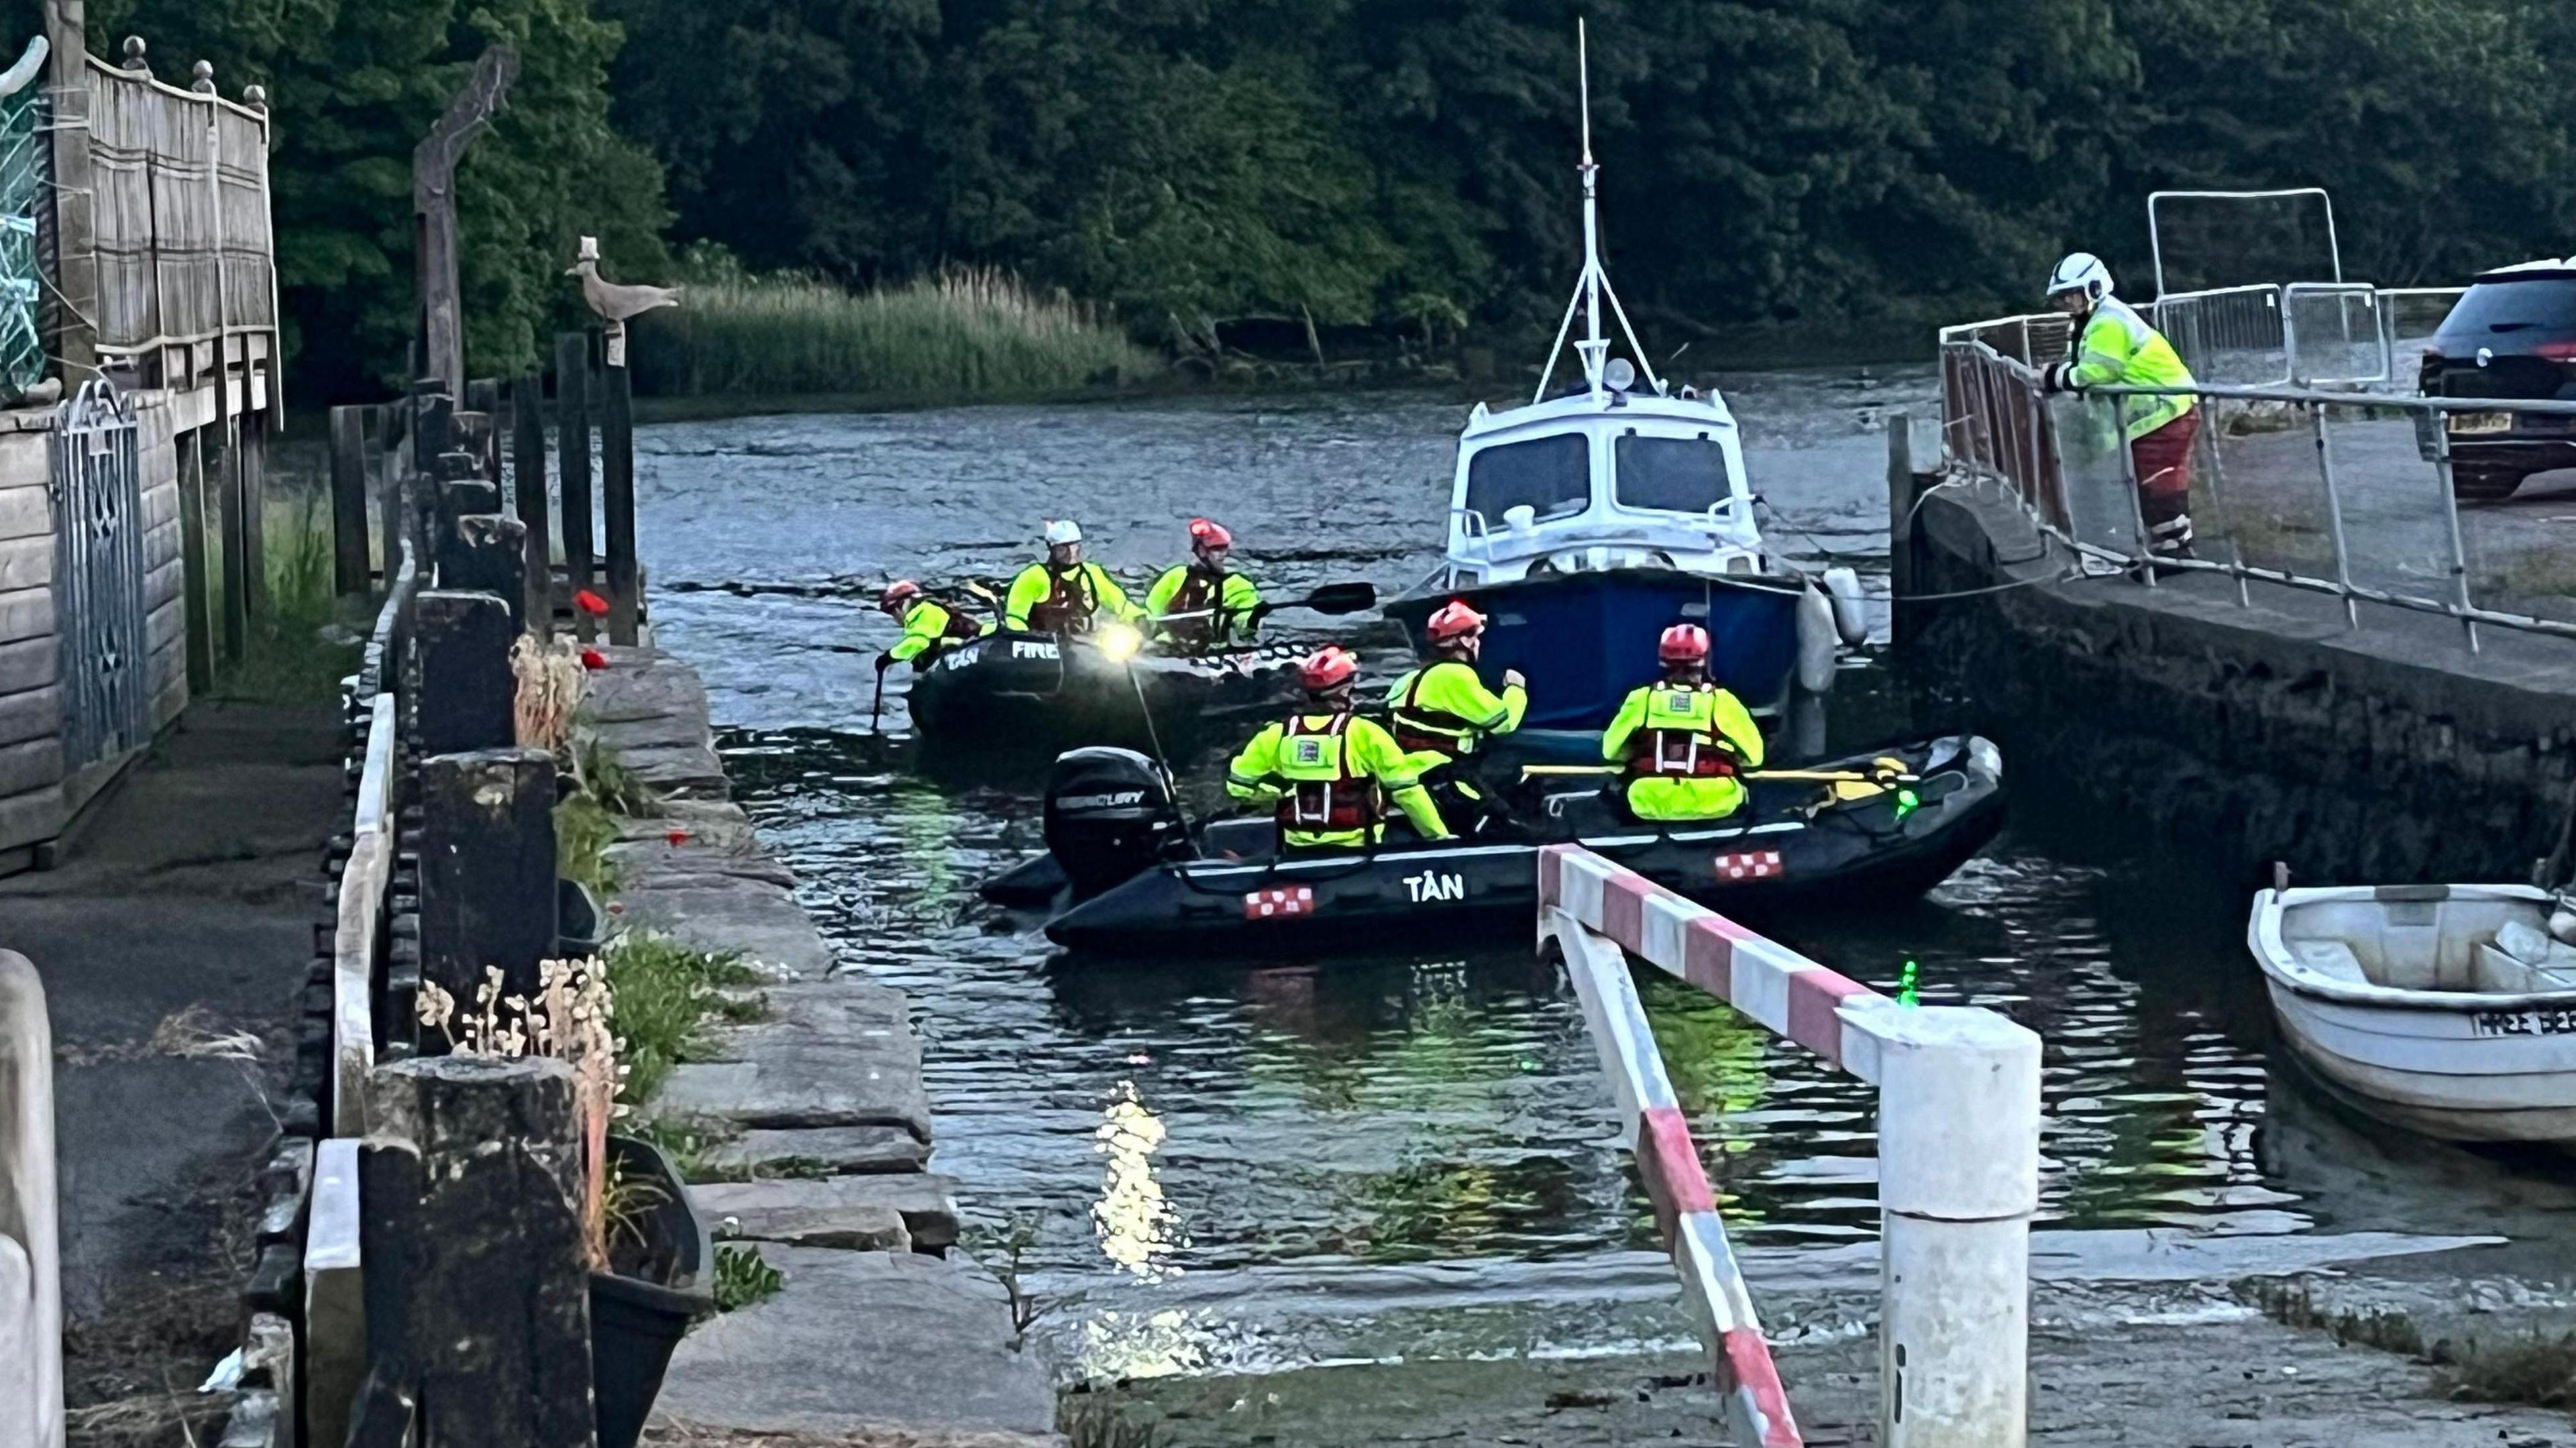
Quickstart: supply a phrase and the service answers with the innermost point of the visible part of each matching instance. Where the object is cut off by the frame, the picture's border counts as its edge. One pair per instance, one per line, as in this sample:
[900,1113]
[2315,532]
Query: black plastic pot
[636,1322]
[577,928]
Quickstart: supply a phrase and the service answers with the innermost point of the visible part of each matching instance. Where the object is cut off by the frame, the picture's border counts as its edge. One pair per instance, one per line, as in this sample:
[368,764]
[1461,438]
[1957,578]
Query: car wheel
[2484,485]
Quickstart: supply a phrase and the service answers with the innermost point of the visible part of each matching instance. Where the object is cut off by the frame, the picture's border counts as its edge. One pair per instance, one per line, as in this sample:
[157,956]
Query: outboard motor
[1109,817]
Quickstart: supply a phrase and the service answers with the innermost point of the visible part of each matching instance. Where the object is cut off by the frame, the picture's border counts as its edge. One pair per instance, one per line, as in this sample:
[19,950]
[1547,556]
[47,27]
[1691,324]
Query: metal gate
[98,576]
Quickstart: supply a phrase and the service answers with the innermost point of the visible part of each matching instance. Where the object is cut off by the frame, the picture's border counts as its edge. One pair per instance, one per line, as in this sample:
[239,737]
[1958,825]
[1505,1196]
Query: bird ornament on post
[616,301]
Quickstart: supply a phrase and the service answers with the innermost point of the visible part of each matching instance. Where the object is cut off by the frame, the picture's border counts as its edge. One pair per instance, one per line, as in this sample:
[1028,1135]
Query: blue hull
[1586,639]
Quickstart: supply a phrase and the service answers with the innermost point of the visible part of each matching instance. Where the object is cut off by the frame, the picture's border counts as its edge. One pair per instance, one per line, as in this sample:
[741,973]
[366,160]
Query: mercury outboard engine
[1109,816]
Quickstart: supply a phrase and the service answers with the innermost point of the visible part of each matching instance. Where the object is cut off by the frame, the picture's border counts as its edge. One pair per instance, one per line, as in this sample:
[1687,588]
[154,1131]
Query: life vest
[1680,738]
[961,626]
[1069,604]
[1417,728]
[1200,592]
[1324,793]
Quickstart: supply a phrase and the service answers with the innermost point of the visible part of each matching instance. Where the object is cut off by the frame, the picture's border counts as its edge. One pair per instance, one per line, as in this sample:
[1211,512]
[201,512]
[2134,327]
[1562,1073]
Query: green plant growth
[1000,1251]
[963,335]
[666,995]
[296,649]
[586,817]
[742,1278]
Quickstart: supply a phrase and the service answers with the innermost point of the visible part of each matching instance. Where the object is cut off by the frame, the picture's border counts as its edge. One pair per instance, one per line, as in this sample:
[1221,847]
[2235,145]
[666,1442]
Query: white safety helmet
[1063,531]
[2082,271]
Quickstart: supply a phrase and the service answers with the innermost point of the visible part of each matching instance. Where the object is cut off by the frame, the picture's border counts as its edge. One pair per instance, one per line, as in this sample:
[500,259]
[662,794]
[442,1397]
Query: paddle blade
[1339,598]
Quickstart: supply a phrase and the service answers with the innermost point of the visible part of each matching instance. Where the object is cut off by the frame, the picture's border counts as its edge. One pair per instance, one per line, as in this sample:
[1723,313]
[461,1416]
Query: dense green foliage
[1407,167]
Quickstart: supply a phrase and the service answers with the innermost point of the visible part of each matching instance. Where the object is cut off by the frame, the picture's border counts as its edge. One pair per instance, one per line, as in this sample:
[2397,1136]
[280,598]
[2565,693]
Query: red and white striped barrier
[1958,1130]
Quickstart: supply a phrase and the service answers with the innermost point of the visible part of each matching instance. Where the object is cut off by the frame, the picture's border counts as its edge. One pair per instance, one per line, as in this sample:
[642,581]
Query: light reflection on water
[1243,1163]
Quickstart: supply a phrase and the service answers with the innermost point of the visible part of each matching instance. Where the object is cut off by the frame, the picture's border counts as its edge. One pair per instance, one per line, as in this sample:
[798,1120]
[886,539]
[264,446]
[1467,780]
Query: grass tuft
[287,659]
[666,995]
[742,1278]
[966,334]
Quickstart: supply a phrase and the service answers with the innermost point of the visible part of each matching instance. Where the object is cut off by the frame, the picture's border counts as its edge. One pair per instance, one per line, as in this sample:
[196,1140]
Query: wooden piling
[195,585]
[487,553]
[528,452]
[487,871]
[250,475]
[349,571]
[229,503]
[617,493]
[478,1308]
[572,450]
[466,691]
[1900,522]
[393,443]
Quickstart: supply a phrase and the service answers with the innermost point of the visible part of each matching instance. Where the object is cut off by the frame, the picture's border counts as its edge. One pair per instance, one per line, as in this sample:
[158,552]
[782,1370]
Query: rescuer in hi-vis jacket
[2113,344]
[1203,604]
[1683,739]
[929,626]
[1442,713]
[1330,772]
[1064,595]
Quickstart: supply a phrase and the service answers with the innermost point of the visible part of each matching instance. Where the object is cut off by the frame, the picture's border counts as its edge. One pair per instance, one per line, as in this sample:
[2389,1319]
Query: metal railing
[2321,334]
[2341,492]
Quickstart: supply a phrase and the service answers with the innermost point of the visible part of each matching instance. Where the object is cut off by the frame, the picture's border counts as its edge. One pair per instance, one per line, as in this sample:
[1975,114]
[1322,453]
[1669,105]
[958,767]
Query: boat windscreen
[1551,476]
[1673,474]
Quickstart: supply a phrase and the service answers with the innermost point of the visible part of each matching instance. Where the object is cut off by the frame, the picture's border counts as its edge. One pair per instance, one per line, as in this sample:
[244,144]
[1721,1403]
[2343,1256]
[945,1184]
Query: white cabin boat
[2449,1010]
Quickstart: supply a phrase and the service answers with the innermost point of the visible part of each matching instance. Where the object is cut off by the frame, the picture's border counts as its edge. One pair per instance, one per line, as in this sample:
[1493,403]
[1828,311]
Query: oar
[877,705]
[1774,776]
[1333,598]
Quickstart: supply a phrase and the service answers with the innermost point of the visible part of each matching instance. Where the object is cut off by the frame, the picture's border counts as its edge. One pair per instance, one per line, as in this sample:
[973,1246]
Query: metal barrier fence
[1958,1155]
[31,1302]
[2348,493]
[2321,334]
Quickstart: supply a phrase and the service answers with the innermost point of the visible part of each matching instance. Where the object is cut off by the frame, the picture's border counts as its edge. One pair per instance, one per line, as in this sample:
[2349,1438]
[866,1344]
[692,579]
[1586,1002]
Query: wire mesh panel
[2334,334]
[2395,516]
[2093,466]
[2232,336]
[98,576]
[26,165]
[2258,489]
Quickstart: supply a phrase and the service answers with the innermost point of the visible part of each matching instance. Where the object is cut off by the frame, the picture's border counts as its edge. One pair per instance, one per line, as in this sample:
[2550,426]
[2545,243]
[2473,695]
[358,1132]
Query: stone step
[923,1204]
[816,1151]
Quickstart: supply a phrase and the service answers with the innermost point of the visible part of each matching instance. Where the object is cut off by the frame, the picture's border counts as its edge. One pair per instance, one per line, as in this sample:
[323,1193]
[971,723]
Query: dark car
[2511,336]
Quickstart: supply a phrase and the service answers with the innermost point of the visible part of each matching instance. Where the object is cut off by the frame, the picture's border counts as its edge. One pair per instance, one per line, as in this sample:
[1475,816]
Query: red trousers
[2163,458]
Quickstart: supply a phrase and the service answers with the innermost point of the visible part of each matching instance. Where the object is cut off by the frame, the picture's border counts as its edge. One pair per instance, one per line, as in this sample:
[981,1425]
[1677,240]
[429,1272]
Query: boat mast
[1593,286]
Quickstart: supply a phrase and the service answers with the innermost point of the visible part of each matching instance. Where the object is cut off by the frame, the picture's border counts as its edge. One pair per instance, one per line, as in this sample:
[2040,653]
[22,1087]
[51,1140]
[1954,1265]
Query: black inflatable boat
[1045,693]
[1124,873]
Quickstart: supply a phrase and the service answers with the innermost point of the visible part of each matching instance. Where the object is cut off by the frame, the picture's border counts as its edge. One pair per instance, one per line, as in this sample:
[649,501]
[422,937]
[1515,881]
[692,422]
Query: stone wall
[2275,731]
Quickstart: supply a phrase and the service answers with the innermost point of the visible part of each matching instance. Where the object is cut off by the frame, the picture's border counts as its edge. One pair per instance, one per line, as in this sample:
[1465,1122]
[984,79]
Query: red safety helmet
[897,594]
[1329,667]
[1208,533]
[1455,620]
[1683,643]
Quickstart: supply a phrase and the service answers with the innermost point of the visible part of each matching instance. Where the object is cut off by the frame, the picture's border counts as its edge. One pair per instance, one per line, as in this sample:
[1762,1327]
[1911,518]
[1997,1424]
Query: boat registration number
[2463,422]
[2558,1022]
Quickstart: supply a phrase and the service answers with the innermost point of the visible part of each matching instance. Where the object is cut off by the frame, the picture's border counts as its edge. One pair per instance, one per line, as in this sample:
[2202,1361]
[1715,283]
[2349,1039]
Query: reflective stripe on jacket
[2119,347]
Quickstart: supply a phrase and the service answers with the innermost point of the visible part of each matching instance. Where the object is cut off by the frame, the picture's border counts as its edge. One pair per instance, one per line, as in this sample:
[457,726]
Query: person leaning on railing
[2114,345]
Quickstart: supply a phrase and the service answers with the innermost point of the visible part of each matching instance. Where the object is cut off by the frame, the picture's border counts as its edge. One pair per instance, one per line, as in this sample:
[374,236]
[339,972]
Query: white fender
[1851,606]
[1817,648]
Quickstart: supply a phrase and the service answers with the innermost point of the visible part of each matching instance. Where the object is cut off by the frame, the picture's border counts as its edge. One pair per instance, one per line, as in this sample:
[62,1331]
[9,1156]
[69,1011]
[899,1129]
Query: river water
[1241,1165]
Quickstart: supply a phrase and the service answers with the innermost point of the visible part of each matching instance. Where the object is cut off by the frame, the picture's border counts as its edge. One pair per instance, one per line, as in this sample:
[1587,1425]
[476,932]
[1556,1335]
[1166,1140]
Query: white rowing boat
[2449,1010]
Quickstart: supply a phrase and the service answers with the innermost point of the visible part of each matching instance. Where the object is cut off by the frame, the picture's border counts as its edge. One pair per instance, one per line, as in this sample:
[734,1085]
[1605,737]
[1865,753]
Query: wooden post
[433,423]
[349,502]
[617,496]
[251,475]
[73,192]
[466,691]
[478,1289]
[392,443]
[572,448]
[528,453]
[228,511]
[483,400]
[194,584]
[458,495]
[433,201]
[487,871]
[488,554]
[1900,522]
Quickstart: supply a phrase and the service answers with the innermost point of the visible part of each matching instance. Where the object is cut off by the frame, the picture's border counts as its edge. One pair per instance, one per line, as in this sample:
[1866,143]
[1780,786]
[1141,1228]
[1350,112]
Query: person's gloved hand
[884,662]
[1515,679]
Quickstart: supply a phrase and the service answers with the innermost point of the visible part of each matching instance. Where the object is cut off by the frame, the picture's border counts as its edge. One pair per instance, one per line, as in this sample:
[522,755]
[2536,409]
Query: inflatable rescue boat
[1123,871]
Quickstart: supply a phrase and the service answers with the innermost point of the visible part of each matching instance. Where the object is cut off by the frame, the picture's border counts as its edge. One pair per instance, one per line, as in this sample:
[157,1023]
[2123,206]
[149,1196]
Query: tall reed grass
[964,334]
[287,659]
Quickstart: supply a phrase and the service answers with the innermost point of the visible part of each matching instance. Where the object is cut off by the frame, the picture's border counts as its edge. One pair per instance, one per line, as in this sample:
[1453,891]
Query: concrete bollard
[31,1302]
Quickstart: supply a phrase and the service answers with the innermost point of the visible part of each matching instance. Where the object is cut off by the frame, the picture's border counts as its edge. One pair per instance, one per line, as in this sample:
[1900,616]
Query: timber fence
[1958,1155]
[395,1229]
